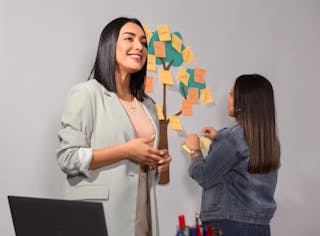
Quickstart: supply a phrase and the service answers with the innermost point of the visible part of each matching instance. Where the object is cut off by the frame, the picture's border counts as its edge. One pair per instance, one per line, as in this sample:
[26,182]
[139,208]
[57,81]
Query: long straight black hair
[254,109]
[105,64]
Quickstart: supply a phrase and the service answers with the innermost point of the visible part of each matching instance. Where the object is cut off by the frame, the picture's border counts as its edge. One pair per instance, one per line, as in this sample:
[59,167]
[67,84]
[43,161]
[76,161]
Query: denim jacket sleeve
[225,151]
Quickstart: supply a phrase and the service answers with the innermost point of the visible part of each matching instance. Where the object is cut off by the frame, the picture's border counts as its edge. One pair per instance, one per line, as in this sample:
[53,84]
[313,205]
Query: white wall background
[48,46]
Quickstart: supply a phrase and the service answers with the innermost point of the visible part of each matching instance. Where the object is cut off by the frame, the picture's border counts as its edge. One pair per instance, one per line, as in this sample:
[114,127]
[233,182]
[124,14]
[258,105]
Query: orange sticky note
[183,76]
[159,112]
[166,77]
[175,123]
[159,49]
[176,43]
[186,107]
[151,66]
[206,96]
[164,32]
[199,75]
[149,84]
[187,55]
[148,33]
[193,95]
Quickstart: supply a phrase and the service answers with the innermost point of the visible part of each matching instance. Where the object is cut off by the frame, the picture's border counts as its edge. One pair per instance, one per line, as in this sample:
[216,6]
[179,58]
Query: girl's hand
[192,141]
[209,132]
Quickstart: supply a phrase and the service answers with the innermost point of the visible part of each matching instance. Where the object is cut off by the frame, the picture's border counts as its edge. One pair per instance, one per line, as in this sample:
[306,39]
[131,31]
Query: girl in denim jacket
[239,174]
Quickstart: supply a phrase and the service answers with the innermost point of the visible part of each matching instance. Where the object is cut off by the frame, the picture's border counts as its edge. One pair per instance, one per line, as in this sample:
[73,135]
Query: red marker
[210,230]
[182,222]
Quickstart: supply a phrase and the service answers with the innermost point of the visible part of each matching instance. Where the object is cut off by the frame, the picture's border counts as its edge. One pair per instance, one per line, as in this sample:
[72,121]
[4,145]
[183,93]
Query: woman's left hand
[164,164]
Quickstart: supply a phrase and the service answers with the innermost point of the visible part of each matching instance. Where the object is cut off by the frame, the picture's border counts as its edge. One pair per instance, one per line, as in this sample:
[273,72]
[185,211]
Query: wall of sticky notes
[48,46]
[167,53]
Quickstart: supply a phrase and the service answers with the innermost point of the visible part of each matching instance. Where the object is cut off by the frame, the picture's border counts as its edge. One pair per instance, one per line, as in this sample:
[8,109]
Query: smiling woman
[110,134]
[132,51]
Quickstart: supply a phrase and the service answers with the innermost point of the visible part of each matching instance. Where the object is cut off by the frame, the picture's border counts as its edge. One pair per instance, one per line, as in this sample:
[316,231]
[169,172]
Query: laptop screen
[53,217]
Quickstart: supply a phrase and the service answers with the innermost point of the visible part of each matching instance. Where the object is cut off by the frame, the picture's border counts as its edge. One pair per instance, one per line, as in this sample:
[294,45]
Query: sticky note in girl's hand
[186,148]
[204,143]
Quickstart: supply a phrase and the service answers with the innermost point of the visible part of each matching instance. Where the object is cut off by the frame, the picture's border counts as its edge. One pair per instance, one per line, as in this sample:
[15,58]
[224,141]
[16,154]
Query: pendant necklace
[133,107]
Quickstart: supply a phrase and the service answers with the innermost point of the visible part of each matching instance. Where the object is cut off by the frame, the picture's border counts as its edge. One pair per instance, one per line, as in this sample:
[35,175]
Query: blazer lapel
[121,114]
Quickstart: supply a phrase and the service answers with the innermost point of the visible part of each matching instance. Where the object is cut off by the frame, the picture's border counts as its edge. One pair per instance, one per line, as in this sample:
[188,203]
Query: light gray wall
[47,46]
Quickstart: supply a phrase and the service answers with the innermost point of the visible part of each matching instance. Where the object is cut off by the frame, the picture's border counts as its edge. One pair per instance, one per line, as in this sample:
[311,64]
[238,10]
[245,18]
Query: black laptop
[52,217]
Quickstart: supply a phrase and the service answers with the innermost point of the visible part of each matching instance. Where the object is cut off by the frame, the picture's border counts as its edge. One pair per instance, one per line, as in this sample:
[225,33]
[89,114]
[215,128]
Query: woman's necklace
[132,105]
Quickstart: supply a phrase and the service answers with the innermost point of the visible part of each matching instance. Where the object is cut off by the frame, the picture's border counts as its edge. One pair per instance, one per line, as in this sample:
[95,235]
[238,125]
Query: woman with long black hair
[110,134]
[239,174]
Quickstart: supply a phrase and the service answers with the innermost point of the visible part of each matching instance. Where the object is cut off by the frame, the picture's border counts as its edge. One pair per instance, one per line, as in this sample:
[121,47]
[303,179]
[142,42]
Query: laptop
[53,217]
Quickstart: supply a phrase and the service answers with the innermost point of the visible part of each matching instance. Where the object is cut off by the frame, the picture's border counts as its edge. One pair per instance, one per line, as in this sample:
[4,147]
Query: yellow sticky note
[186,148]
[187,55]
[206,96]
[159,49]
[159,112]
[193,95]
[149,84]
[164,32]
[183,76]
[175,123]
[186,107]
[199,75]
[204,143]
[148,33]
[166,77]
[151,66]
[176,43]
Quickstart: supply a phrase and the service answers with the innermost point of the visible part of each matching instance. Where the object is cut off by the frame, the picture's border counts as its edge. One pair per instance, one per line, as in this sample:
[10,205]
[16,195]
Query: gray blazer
[93,117]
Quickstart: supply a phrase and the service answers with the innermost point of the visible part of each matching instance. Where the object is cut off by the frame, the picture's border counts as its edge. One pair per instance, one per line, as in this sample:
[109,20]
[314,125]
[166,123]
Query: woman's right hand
[140,151]
[209,132]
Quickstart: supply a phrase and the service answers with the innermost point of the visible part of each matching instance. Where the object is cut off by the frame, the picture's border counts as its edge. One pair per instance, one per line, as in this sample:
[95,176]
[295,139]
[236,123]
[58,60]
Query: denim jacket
[229,190]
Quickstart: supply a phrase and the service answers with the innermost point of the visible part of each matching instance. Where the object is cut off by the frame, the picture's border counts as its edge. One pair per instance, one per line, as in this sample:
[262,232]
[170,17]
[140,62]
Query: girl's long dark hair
[254,109]
[105,64]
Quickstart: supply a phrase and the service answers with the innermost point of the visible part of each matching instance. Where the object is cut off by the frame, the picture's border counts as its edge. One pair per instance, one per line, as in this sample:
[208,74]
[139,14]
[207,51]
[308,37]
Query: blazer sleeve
[77,126]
